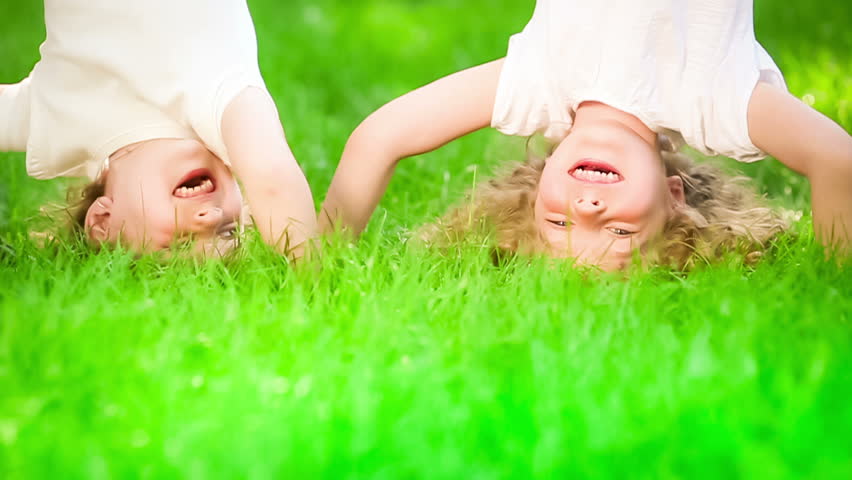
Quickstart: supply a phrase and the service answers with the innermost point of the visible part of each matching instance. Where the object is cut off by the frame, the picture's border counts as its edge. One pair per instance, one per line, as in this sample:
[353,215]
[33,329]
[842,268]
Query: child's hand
[415,123]
[276,189]
[813,145]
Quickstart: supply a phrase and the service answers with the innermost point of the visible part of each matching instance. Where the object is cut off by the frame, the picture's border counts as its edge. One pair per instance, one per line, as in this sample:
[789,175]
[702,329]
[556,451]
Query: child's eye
[620,231]
[558,223]
[228,234]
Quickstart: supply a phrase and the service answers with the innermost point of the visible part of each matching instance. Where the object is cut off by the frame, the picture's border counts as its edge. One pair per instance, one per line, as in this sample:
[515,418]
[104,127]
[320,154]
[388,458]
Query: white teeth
[206,186]
[596,176]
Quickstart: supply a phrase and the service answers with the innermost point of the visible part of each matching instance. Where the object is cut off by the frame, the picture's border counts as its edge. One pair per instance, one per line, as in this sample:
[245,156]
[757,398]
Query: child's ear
[97,220]
[675,184]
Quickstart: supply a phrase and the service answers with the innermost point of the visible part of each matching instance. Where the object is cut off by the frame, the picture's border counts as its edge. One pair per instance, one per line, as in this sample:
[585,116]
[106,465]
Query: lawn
[389,361]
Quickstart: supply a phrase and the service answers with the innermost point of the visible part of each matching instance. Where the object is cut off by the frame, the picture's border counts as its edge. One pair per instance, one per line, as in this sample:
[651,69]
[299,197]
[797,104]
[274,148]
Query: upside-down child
[617,86]
[162,105]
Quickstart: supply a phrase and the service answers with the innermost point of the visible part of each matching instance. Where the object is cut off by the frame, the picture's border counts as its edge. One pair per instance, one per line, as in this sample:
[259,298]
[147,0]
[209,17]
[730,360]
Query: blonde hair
[61,222]
[79,199]
[722,214]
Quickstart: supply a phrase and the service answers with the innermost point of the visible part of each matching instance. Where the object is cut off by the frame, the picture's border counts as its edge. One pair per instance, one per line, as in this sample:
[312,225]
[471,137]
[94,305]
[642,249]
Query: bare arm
[276,189]
[813,145]
[415,123]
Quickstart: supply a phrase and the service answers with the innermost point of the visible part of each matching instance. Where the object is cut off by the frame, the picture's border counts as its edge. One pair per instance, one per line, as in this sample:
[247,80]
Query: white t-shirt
[686,68]
[116,72]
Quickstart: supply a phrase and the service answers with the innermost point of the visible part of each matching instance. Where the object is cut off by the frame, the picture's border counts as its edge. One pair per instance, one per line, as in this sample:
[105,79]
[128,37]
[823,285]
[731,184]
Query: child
[158,102]
[611,89]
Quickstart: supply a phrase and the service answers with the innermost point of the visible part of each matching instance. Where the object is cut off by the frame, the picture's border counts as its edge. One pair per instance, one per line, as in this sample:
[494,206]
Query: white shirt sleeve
[528,97]
[208,107]
[15,117]
[718,125]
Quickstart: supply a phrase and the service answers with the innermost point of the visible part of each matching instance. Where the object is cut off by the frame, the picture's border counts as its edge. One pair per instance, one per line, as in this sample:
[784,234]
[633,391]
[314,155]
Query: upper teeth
[596,175]
[206,185]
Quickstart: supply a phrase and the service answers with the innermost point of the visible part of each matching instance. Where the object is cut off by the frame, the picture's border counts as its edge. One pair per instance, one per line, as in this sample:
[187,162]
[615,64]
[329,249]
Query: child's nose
[588,205]
[206,219]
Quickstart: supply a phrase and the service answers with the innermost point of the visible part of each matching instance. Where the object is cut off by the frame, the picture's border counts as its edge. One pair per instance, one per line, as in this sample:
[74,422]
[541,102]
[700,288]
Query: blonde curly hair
[723,214]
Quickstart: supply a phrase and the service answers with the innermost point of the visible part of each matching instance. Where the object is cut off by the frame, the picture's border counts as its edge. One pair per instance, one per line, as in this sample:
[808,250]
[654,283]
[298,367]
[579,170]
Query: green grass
[393,362]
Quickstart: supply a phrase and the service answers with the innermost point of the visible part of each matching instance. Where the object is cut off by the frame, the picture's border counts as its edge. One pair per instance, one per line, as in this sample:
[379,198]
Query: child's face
[165,192]
[603,193]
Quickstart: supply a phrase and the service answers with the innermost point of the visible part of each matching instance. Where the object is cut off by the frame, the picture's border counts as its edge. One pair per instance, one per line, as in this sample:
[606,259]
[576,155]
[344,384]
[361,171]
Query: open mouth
[195,183]
[594,171]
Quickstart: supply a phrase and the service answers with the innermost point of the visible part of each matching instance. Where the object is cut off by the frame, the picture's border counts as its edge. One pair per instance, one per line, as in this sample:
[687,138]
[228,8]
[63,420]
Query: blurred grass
[392,362]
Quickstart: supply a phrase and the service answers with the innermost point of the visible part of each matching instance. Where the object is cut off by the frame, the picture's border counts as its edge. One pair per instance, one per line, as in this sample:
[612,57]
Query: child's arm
[276,189]
[415,123]
[14,116]
[813,145]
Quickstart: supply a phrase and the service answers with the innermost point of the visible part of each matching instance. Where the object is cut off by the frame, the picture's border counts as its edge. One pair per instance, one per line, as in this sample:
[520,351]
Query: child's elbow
[375,138]
[828,160]
[841,163]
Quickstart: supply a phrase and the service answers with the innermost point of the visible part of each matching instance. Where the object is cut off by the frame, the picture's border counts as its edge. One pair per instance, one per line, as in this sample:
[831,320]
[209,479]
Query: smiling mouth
[195,184]
[594,171]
